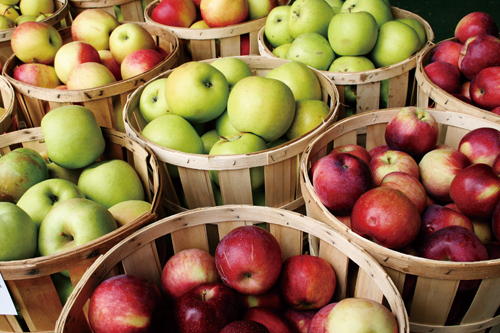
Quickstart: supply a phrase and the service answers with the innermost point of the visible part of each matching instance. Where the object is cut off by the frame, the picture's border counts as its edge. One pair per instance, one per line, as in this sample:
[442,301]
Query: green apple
[209,139]
[41,198]
[152,102]
[20,169]
[127,38]
[282,50]
[260,8]
[241,143]
[351,64]
[110,182]
[58,172]
[313,50]
[6,23]
[352,34]
[276,28]
[224,127]
[300,78]
[261,106]
[72,136]
[384,93]
[43,16]
[309,16]
[35,7]
[89,75]
[197,91]
[309,114]
[72,223]
[94,26]
[63,286]
[396,42]
[336,5]
[9,2]
[415,24]
[127,211]
[378,8]
[18,233]
[199,25]
[9,11]
[25,18]
[234,69]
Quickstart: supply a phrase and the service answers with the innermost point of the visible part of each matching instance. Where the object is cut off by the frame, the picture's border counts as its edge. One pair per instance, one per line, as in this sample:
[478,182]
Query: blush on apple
[409,185]
[447,51]
[390,161]
[473,24]
[496,165]
[445,75]
[481,145]
[301,319]
[275,322]
[485,88]
[436,217]
[478,53]
[317,324]
[354,149]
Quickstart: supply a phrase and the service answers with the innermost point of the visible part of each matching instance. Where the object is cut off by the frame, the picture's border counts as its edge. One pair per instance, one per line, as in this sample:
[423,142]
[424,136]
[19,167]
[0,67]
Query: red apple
[481,145]
[176,13]
[206,308]
[493,249]
[473,24]
[72,54]
[378,149]
[478,53]
[462,98]
[139,62]
[495,221]
[339,179]
[318,321]
[496,165]
[447,51]
[412,130]
[465,90]
[126,303]
[270,299]
[346,219]
[496,110]
[445,75]
[38,75]
[301,319]
[249,259]
[390,161]
[482,228]
[244,326]
[436,217]
[485,88]
[110,62]
[221,13]
[386,216]
[409,185]
[275,322]
[354,149]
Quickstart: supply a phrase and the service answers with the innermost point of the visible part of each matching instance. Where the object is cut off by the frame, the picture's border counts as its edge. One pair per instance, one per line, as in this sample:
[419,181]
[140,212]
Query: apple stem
[233,138]
[62,234]
[204,295]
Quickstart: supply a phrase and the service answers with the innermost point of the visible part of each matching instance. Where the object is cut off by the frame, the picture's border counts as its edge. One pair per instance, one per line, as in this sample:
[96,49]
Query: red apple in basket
[478,53]
[476,191]
[126,303]
[496,165]
[481,145]
[445,75]
[378,149]
[485,88]
[438,168]
[386,216]
[390,161]
[249,259]
[71,55]
[409,185]
[175,13]
[493,249]
[473,24]
[317,324]
[244,326]
[482,228]
[462,98]
[339,180]
[495,221]
[221,13]
[436,217]
[355,150]
[139,62]
[38,75]
[270,299]
[301,319]
[496,110]
[447,51]
[274,321]
[412,130]
[110,63]
[206,308]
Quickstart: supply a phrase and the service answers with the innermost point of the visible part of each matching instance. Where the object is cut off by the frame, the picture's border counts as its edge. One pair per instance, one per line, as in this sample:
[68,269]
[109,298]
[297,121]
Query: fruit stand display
[190,184]
[106,101]
[137,255]
[124,10]
[384,87]
[432,289]
[33,283]
[8,107]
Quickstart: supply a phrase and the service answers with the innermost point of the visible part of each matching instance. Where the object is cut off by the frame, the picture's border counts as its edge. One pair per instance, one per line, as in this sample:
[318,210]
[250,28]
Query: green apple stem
[62,234]
[233,138]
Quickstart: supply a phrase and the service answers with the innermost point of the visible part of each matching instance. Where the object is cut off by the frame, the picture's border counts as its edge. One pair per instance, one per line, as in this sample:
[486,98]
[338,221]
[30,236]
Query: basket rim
[10,109]
[99,4]
[387,257]
[231,213]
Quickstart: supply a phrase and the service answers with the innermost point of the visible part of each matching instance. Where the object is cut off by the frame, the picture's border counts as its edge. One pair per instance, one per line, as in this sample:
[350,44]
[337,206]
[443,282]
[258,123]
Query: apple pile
[15,12]
[244,287]
[468,67]
[416,196]
[102,51]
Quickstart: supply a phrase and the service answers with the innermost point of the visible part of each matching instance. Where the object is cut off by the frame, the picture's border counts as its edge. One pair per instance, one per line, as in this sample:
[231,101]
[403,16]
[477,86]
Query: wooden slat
[350,137]
[190,237]
[398,91]
[485,303]
[454,135]
[375,136]
[198,189]
[133,11]
[103,111]
[5,325]
[230,46]
[340,264]
[144,262]
[202,49]
[281,181]
[235,186]
[289,239]
[368,97]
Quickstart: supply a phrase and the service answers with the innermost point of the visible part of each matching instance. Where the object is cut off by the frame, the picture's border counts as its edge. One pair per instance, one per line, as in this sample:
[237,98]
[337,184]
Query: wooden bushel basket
[8,102]
[106,102]
[368,82]
[132,10]
[29,281]
[430,95]
[436,281]
[357,273]
[280,163]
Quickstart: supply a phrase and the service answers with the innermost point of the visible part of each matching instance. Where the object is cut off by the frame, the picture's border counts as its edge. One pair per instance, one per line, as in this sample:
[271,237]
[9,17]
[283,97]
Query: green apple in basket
[379,9]
[241,143]
[6,23]
[282,50]
[9,11]
[309,114]
[35,7]
[152,102]
[18,233]
[260,8]
[276,28]
[25,18]
[313,50]
[352,34]
[336,5]
[198,79]
[309,16]
[234,69]
[224,127]
[126,211]
[58,172]
[127,38]
[209,138]
[415,24]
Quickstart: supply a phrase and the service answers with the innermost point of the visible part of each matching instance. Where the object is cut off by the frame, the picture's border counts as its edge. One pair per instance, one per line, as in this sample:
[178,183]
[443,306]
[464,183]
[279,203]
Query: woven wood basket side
[131,10]
[437,281]
[137,253]
[8,102]
[29,281]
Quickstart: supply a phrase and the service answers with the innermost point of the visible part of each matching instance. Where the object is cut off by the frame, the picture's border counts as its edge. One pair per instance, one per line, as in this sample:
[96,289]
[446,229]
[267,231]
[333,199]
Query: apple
[39,75]
[275,322]
[496,110]
[234,69]
[128,303]
[300,319]
[357,315]
[71,55]
[175,13]
[128,210]
[336,5]
[311,49]
[222,13]
[72,223]
[199,79]
[438,168]
[93,26]
[493,249]
[409,185]
[390,161]
[483,230]
[309,114]
[276,28]
[224,127]
[353,33]
[58,172]
[465,89]
[262,106]
[249,259]
[40,198]
[244,326]
[127,38]
[7,23]
[484,88]
[35,42]
[20,169]
[138,62]
[380,10]
[481,145]
[260,8]
[378,149]
[317,324]
[89,75]
[18,233]
[445,75]
[339,180]
[106,59]
[415,24]
[478,53]
[396,42]
[354,149]
[9,11]
[245,44]
[206,308]
[473,24]
[351,64]
[34,7]
[152,103]
[282,50]
[436,217]
[447,51]
[307,282]
[271,300]
[309,16]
